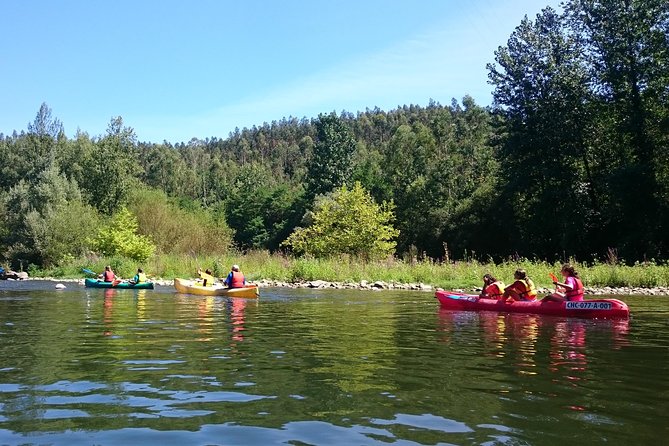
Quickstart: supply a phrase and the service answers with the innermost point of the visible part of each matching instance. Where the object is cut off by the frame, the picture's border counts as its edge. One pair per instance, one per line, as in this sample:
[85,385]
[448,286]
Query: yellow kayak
[191,287]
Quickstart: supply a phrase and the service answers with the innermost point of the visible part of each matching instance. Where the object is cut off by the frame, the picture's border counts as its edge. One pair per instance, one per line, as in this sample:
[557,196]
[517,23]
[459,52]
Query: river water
[300,367]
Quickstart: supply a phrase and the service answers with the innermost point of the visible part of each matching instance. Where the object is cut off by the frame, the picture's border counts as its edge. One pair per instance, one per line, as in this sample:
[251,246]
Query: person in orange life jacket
[108,275]
[235,279]
[206,276]
[521,289]
[492,288]
[570,289]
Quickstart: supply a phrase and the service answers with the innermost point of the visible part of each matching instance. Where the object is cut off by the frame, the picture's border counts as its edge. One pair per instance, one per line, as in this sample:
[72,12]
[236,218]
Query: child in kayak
[522,289]
[140,277]
[570,289]
[206,276]
[492,288]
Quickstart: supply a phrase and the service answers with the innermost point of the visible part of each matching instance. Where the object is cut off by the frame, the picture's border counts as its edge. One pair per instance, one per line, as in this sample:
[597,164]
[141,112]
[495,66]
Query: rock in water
[60,286]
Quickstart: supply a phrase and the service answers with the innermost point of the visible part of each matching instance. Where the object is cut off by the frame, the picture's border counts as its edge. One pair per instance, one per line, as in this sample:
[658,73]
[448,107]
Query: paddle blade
[89,272]
[116,282]
[555,279]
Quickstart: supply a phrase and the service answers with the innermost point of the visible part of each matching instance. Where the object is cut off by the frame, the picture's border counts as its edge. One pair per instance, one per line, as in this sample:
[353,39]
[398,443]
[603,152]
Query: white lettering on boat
[588,305]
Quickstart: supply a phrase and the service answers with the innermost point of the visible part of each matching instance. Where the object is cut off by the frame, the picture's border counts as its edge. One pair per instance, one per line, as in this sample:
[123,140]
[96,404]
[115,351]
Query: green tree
[347,222]
[111,172]
[627,46]
[120,237]
[32,209]
[331,165]
[541,90]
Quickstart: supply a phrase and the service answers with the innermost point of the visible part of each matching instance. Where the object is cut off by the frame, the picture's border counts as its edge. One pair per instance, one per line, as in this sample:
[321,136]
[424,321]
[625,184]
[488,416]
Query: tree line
[570,160]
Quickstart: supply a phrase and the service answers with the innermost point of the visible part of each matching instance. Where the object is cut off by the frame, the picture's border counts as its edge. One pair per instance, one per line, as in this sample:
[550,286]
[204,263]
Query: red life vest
[237,280]
[577,292]
[108,276]
[494,290]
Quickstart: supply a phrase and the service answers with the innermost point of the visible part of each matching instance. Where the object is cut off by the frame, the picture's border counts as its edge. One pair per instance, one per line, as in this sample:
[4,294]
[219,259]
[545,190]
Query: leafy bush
[347,222]
[195,231]
[120,238]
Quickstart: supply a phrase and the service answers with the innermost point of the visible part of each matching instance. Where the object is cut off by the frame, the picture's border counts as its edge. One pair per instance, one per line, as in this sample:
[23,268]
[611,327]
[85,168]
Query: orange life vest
[494,290]
[108,276]
[527,292]
[237,280]
[577,292]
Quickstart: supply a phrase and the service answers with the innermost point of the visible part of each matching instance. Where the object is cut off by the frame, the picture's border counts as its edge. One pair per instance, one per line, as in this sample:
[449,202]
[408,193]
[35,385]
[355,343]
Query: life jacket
[108,276]
[141,277]
[528,292]
[207,280]
[494,290]
[577,292]
[237,280]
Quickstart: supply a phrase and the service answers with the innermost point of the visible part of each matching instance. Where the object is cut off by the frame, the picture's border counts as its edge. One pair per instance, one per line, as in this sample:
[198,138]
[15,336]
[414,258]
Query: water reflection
[529,340]
[320,368]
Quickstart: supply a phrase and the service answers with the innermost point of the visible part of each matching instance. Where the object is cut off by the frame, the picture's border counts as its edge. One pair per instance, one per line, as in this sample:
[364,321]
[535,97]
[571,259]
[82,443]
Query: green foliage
[347,222]
[39,229]
[62,232]
[330,166]
[260,209]
[195,231]
[120,238]
[110,172]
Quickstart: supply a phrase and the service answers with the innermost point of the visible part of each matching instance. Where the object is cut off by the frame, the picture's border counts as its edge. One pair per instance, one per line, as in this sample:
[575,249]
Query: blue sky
[175,70]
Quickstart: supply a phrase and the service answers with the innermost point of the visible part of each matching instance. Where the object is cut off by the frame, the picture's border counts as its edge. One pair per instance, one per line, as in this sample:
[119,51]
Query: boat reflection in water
[533,343]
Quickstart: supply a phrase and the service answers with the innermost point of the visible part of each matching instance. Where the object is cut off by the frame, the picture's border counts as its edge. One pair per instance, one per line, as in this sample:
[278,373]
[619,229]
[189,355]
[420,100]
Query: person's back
[140,277]
[207,278]
[236,278]
[108,275]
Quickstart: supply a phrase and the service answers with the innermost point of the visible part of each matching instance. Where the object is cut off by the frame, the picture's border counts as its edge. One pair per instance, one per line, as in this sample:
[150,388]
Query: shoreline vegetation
[344,272]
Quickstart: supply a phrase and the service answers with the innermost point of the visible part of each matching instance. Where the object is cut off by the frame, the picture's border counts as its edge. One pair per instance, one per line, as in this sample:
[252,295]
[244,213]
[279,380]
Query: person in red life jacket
[235,279]
[492,288]
[522,289]
[108,275]
[570,289]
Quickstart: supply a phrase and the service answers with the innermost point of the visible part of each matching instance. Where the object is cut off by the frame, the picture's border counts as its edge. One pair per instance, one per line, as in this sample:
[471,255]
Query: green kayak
[94,283]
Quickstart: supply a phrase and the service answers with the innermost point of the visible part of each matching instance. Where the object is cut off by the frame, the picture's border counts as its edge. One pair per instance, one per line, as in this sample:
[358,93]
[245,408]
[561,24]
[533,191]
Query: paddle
[555,279]
[89,272]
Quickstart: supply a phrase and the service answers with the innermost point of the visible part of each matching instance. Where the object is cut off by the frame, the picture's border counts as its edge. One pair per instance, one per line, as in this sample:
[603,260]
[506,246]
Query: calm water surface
[298,367]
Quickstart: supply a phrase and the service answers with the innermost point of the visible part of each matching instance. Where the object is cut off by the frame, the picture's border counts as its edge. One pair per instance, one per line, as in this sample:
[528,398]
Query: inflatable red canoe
[590,309]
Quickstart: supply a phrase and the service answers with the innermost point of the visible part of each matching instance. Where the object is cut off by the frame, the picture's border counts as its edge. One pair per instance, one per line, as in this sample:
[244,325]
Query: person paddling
[570,289]
[140,277]
[522,289]
[235,279]
[206,276]
[492,288]
[108,275]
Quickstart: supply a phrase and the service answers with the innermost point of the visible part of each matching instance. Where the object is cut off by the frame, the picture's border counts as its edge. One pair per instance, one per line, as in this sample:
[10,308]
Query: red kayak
[590,309]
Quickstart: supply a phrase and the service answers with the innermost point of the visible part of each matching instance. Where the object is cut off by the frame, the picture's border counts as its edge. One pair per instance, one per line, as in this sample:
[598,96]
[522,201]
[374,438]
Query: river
[300,367]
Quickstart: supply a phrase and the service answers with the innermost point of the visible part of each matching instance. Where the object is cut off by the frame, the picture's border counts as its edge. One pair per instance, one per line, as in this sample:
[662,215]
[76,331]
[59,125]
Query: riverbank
[381,285]
[345,272]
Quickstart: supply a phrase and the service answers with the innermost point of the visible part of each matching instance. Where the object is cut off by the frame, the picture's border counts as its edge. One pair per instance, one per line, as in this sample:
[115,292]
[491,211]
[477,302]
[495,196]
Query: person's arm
[228,280]
[568,284]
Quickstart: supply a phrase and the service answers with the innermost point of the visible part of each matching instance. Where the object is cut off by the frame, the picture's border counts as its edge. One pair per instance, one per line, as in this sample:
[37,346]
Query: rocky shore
[381,285]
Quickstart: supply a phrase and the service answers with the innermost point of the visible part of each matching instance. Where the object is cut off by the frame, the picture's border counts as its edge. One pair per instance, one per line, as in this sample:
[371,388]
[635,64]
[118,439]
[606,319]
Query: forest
[571,160]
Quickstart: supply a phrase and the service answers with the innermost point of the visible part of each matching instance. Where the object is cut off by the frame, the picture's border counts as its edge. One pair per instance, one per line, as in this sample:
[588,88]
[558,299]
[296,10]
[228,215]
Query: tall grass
[259,265]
